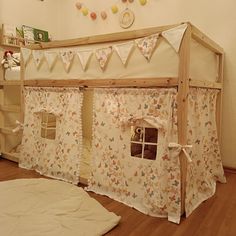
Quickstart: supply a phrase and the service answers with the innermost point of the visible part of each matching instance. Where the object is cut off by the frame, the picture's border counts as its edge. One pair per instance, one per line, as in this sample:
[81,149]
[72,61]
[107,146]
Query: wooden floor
[215,217]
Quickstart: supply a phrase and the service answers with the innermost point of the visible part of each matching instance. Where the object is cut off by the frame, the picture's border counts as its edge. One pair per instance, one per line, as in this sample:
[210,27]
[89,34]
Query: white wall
[214,17]
[35,13]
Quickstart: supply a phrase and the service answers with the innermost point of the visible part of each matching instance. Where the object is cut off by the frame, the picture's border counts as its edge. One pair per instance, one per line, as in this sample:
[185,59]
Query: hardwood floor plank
[215,217]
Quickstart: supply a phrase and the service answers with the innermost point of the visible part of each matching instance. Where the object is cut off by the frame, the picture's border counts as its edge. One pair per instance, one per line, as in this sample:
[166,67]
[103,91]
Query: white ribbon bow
[18,127]
[181,148]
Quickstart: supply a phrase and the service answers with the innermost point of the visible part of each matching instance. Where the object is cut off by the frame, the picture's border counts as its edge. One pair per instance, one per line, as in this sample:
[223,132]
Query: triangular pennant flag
[67,58]
[147,45]
[50,58]
[174,36]
[123,50]
[37,56]
[26,53]
[84,57]
[102,55]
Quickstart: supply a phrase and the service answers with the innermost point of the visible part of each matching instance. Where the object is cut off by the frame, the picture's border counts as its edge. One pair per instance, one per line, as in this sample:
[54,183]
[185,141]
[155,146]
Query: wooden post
[182,104]
[22,78]
[219,97]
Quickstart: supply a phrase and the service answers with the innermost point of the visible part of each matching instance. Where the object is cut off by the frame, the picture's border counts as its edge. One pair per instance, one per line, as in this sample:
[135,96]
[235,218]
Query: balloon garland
[103,14]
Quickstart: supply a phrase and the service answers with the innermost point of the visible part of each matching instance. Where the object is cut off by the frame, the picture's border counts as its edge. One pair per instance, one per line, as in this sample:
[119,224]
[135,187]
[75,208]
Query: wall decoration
[174,36]
[123,50]
[146,46]
[126,18]
[67,58]
[114,9]
[103,55]
[84,57]
[32,35]
[26,53]
[103,15]
[37,56]
[143,2]
[50,58]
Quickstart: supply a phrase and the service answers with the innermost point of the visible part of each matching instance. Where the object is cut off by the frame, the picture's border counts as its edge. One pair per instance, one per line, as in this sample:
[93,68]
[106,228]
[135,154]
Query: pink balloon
[103,15]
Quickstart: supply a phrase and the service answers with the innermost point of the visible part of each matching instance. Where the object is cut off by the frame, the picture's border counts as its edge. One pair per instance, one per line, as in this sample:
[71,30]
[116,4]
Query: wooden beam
[10,82]
[11,156]
[126,35]
[220,98]
[138,82]
[182,103]
[10,108]
[204,84]
[205,40]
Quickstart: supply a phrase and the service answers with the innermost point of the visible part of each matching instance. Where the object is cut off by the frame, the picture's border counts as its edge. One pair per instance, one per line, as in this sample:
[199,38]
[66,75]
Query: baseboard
[230,169]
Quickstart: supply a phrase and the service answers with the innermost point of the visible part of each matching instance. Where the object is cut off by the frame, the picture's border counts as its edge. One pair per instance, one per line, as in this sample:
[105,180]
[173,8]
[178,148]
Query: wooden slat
[7,46]
[8,131]
[11,156]
[182,100]
[126,35]
[204,84]
[2,142]
[205,40]
[10,108]
[22,77]
[219,98]
[139,82]
[10,82]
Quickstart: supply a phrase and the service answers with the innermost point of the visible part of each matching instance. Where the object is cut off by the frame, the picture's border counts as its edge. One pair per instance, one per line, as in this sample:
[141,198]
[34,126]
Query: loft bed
[182,67]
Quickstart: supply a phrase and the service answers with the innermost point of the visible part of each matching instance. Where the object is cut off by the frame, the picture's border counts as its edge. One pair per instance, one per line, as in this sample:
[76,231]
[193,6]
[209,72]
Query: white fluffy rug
[42,207]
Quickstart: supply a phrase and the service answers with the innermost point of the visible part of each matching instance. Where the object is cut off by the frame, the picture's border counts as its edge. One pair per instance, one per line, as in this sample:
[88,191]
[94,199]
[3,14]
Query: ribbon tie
[18,127]
[181,148]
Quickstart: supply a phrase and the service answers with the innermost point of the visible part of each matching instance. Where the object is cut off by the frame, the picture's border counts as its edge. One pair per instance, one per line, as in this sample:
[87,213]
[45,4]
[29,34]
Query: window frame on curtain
[143,142]
[48,125]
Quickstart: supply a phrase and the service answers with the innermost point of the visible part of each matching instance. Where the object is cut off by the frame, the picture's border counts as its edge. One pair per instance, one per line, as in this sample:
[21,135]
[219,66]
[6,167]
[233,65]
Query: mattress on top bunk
[12,73]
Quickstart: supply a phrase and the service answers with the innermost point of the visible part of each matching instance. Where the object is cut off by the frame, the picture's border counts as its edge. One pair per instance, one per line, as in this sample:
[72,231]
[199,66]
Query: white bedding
[42,207]
[13,73]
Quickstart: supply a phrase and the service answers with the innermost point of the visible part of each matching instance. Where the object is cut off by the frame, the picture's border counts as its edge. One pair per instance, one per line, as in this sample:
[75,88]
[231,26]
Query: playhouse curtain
[150,185]
[206,166]
[57,157]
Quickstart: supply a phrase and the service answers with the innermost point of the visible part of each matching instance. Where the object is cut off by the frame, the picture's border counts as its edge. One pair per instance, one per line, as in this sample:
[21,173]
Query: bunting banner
[37,56]
[124,50]
[67,58]
[174,36]
[50,58]
[147,45]
[84,57]
[26,53]
[103,55]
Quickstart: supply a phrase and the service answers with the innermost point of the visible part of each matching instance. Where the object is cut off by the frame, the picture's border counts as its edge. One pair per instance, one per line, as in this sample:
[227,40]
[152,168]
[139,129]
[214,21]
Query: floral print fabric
[103,55]
[67,58]
[147,45]
[151,186]
[60,157]
[206,166]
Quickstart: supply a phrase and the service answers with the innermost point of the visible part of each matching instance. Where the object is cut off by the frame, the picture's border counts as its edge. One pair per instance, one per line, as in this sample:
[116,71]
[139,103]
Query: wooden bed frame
[183,82]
